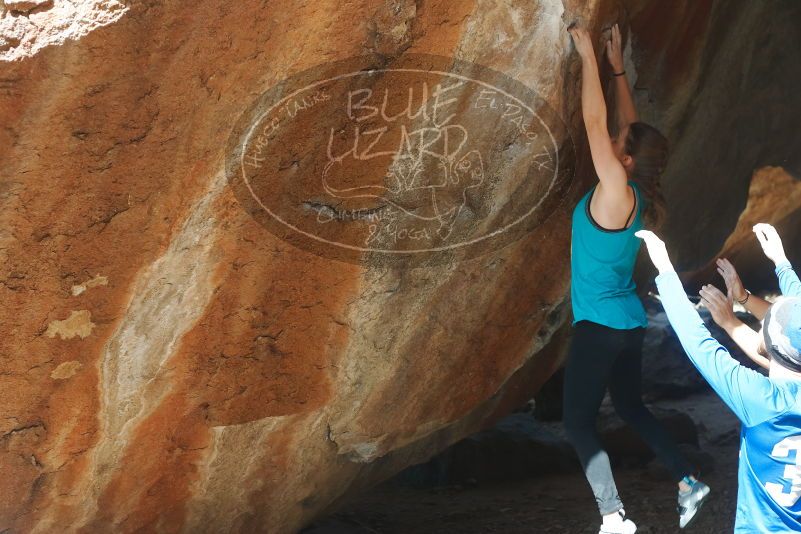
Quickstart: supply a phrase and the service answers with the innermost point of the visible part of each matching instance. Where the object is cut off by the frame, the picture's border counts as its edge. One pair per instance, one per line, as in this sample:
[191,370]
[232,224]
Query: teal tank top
[602,265]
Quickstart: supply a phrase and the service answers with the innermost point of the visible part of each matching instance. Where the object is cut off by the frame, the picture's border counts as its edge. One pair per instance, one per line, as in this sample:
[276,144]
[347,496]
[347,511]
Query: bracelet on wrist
[742,302]
[621,73]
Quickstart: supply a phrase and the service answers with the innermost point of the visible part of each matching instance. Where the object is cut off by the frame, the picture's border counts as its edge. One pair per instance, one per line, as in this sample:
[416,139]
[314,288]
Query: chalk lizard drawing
[444,177]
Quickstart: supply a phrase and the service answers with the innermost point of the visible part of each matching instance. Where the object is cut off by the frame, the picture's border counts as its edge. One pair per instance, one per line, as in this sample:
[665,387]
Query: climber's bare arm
[624,102]
[612,191]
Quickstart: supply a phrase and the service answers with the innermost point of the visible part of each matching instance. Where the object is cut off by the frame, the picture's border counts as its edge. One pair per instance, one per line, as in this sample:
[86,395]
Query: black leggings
[601,356]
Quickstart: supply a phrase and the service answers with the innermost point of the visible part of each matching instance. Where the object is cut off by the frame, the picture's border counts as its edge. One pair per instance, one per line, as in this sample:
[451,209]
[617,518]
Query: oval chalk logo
[423,161]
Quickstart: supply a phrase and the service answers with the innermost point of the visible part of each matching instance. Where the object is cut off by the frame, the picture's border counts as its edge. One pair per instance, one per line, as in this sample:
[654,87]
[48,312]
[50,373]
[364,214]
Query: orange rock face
[175,361]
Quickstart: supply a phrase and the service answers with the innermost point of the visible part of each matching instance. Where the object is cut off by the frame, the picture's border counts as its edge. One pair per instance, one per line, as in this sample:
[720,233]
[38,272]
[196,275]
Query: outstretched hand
[734,285]
[771,242]
[614,50]
[656,250]
[583,41]
[720,306]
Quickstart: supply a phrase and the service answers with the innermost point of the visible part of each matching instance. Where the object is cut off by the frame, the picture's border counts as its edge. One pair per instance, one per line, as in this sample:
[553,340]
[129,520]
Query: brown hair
[649,150]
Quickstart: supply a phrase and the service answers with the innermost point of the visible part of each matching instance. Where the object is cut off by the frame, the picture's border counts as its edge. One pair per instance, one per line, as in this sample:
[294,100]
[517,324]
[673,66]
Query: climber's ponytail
[649,150]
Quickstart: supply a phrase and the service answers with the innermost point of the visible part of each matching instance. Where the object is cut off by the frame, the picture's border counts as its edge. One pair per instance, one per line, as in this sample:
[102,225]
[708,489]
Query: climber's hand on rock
[657,251]
[733,283]
[583,41]
[771,242]
[614,50]
[720,306]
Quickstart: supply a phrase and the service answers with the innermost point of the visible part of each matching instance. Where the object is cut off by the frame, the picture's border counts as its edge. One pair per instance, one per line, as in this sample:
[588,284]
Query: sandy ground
[555,503]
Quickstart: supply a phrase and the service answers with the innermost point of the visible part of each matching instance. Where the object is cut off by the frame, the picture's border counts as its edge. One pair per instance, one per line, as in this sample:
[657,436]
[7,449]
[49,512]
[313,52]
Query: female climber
[608,317]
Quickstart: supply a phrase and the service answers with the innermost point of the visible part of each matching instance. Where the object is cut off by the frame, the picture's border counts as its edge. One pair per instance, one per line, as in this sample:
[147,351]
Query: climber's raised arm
[613,187]
[626,113]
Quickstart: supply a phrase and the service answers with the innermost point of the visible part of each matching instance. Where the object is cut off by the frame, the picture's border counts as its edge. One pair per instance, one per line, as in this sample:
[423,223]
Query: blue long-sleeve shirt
[769,474]
[788,280]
